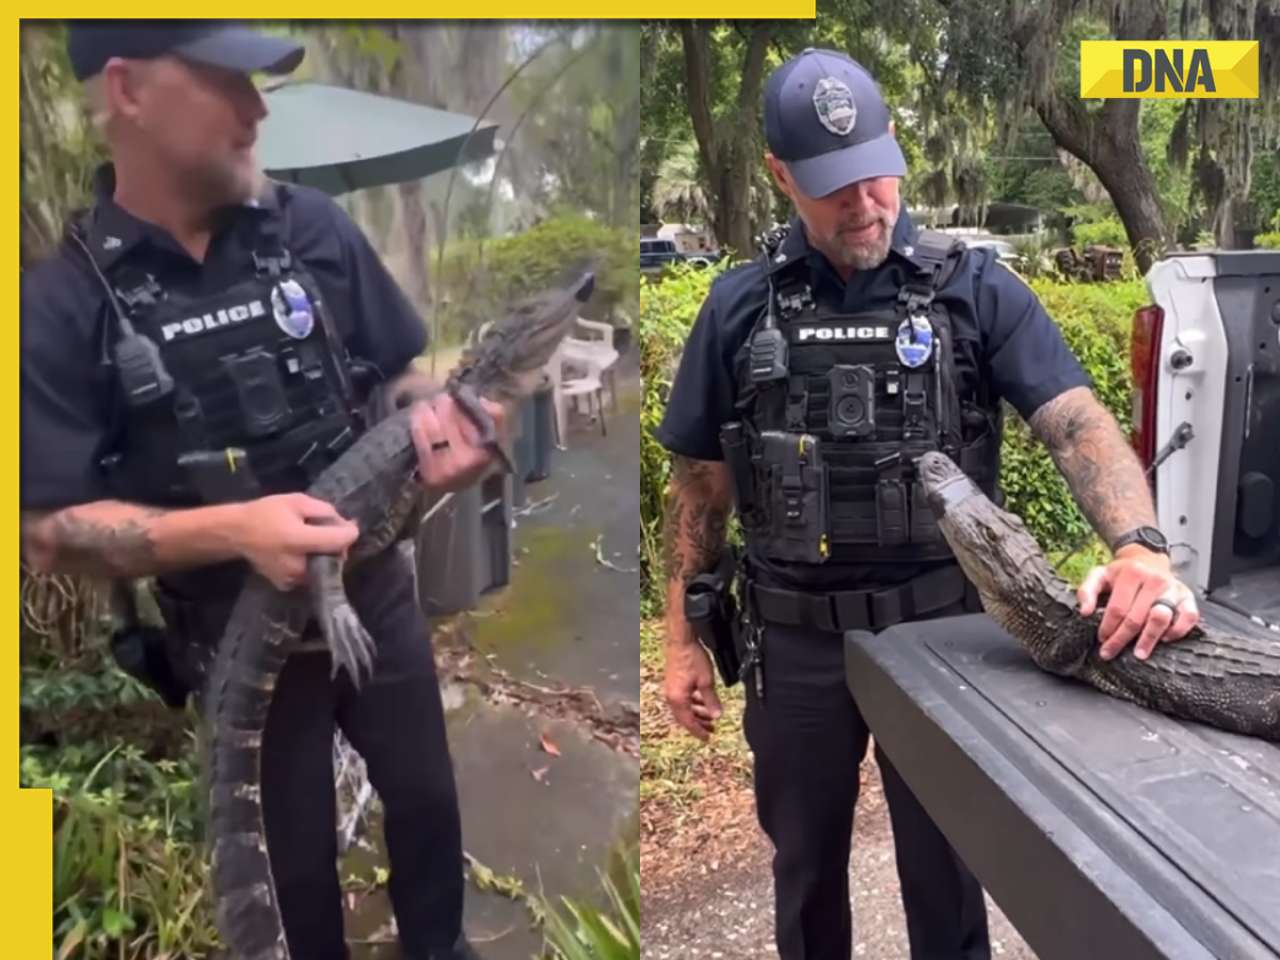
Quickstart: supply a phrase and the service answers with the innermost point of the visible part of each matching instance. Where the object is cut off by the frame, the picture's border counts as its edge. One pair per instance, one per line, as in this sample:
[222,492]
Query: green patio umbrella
[340,140]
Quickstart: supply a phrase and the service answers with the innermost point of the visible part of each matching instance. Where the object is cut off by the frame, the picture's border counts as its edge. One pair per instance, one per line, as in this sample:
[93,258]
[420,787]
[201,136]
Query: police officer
[811,379]
[198,348]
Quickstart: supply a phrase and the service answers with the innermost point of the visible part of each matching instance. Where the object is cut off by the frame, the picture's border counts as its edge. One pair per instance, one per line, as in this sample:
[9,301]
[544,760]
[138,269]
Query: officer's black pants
[808,741]
[396,722]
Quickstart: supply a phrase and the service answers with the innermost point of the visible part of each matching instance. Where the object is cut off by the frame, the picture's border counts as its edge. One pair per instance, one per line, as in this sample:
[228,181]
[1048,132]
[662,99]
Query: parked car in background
[656,255]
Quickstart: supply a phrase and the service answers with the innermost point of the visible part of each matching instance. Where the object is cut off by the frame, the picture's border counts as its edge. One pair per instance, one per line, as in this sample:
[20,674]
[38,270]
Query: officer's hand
[690,688]
[276,534]
[1137,578]
[448,443]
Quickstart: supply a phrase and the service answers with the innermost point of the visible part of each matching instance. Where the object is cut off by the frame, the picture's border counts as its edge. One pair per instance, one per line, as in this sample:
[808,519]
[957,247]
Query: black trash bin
[540,434]
[463,549]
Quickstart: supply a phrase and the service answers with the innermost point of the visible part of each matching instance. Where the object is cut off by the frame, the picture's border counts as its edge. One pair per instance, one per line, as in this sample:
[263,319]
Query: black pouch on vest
[924,526]
[798,498]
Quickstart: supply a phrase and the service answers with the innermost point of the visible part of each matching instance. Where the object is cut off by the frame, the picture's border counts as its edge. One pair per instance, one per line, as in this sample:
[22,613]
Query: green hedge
[1268,241]
[1108,232]
[1094,319]
[479,276]
[667,311]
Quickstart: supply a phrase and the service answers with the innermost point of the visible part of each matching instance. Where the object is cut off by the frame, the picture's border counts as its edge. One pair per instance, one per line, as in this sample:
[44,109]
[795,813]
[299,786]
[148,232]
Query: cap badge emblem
[833,101]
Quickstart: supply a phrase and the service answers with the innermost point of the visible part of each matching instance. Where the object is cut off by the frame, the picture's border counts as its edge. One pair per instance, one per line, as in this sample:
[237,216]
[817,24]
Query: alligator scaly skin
[374,483]
[1217,678]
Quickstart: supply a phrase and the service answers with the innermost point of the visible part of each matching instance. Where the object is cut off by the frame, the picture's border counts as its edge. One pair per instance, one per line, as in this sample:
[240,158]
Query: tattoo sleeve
[1100,467]
[106,539]
[694,520]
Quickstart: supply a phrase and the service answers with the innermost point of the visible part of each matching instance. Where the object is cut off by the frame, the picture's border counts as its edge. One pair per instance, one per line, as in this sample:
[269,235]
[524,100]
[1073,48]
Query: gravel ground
[723,909]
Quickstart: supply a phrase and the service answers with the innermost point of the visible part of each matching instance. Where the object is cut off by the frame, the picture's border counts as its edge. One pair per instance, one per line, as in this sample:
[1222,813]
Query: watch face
[1153,538]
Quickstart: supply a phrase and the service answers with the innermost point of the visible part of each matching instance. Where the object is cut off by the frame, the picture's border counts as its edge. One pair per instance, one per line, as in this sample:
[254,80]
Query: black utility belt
[842,610]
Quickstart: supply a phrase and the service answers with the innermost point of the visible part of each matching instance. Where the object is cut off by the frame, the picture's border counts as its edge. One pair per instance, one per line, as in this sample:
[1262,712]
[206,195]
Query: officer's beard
[223,185]
[859,254]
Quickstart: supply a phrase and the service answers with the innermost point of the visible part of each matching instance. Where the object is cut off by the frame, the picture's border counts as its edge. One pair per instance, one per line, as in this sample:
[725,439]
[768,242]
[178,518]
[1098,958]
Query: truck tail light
[1144,360]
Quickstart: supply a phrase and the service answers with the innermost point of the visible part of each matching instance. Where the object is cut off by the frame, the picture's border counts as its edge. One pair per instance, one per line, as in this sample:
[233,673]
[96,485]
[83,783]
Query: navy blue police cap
[218,43]
[824,117]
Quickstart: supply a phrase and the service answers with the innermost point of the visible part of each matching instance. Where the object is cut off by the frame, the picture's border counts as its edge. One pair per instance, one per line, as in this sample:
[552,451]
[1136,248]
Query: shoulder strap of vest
[939,255]
[271,256]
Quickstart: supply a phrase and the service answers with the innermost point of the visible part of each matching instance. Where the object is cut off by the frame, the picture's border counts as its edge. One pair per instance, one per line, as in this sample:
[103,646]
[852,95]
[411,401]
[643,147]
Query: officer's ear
[781,175]
[122,82]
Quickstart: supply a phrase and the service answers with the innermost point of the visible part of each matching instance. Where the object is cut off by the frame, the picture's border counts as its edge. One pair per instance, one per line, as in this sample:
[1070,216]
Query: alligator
[374,483]
[1226,681]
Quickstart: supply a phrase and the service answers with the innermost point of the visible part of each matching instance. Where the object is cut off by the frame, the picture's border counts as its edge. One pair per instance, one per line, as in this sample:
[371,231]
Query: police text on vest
[827,332]
[212,321]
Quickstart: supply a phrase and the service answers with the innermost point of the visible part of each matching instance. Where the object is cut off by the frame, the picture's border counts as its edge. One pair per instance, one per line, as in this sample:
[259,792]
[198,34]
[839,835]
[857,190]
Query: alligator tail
[249,659]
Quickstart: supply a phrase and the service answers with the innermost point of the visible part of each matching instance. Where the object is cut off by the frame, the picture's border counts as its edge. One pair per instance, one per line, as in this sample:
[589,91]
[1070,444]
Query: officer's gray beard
[865,255]
[220,186]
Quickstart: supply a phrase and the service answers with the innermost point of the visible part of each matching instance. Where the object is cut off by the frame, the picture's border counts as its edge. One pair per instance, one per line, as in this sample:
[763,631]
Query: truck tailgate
[1102,830]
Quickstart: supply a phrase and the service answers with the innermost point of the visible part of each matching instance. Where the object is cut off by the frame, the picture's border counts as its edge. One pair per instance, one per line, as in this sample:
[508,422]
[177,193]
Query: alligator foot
[469,402]
[350,645]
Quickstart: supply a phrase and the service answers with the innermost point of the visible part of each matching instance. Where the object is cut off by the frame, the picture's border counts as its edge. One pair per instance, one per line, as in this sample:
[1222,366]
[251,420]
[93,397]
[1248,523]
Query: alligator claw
[349,643]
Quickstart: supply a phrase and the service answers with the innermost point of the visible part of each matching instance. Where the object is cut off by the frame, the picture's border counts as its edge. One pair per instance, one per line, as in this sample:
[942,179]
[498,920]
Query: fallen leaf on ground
[549,746]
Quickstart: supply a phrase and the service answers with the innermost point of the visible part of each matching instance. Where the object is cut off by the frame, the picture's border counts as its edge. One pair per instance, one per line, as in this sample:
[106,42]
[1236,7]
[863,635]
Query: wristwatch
[1149,537]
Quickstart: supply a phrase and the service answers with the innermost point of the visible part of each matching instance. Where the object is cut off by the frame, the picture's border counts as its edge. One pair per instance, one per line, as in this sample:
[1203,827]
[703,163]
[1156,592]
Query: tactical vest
[835,408]
[227,397]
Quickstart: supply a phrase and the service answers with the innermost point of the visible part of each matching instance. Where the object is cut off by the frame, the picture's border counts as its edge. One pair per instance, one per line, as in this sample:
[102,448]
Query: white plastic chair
[582,367]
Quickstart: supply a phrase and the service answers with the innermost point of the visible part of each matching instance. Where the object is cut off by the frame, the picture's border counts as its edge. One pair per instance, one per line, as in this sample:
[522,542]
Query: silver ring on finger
[1167,604]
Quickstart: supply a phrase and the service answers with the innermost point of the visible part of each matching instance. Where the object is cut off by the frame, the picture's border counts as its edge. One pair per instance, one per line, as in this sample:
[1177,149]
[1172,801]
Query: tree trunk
[1107,142]
[727,149]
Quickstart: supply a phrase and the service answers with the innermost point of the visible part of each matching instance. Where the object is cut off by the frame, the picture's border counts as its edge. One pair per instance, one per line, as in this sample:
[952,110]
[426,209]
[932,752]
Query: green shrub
[1109,232]
[1268,241]
[479,276]
[667,311]
[586,932]
[1095,321]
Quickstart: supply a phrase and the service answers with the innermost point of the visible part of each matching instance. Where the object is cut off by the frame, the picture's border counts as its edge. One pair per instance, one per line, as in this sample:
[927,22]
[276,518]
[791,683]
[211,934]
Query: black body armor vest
[227,397]
[835,408]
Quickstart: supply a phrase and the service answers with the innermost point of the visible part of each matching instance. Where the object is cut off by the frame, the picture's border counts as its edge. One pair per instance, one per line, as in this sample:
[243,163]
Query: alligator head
[997,552]
[506,363]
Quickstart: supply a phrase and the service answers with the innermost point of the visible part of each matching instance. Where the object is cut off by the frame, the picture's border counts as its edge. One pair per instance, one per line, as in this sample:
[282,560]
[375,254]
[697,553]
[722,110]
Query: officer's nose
[858,198]
[249,102]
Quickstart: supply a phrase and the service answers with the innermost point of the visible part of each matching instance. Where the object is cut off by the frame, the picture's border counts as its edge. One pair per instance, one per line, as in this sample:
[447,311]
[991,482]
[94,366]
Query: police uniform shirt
[71,401]
[1003,336]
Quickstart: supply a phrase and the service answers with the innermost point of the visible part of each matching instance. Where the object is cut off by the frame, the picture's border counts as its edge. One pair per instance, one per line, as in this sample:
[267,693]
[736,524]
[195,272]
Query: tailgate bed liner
[1103,830]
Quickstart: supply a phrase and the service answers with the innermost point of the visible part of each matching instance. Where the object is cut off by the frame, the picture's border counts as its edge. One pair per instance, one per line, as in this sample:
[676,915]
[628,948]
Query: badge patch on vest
[915,341]
[833,100]
[292,309]
[833,333]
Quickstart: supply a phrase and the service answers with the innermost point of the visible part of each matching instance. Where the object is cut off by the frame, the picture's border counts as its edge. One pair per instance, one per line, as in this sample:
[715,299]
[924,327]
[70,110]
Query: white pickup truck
[1206,363]
[1101,829]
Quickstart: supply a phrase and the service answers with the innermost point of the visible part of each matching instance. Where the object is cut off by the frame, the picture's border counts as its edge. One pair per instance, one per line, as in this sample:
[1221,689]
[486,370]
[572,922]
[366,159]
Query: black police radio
[137,358]
[767,359]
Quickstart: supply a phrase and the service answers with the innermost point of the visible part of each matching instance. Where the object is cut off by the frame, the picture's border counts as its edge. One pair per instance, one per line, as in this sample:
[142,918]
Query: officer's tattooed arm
[1095,458]
[697,509]
[110,538]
